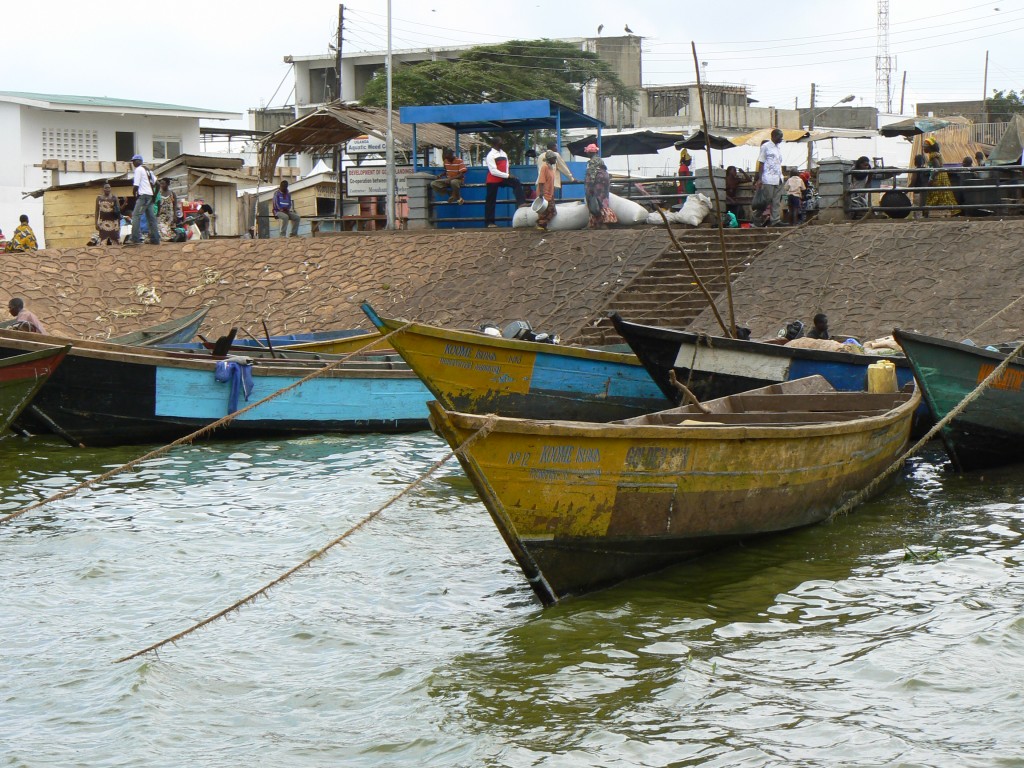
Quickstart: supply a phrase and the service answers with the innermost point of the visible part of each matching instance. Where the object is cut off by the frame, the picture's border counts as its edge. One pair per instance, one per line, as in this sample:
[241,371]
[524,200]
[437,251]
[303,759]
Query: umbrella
[697,140]
[913,126]
[635,143]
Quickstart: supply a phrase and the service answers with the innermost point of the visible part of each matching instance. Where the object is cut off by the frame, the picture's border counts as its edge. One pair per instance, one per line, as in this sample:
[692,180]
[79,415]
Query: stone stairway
[665,293]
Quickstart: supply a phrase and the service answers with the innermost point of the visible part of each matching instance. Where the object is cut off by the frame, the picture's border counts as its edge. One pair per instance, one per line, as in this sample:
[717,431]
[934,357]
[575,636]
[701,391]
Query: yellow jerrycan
[882,377]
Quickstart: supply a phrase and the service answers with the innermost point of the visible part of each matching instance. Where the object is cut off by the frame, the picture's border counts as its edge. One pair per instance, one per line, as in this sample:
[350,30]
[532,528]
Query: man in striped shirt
[451,181]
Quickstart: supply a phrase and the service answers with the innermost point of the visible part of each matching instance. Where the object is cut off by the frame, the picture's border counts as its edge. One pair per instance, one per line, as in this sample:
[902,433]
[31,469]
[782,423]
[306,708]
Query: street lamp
[810,125]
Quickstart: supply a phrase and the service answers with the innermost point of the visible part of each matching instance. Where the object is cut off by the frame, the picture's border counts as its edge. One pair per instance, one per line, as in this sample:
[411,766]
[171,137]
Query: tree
[1002,105]
[518,70]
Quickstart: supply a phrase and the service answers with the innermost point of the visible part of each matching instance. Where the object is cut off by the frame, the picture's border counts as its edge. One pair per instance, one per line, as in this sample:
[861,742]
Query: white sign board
[366,144]
[373,180]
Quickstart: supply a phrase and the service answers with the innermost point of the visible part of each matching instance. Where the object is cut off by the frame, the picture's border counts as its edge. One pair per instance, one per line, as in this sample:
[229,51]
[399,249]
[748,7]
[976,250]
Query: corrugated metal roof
[332,125]
[105,102]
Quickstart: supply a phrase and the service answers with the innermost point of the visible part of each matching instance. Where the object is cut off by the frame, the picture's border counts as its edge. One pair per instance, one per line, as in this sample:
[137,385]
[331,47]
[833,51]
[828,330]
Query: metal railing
[989,190]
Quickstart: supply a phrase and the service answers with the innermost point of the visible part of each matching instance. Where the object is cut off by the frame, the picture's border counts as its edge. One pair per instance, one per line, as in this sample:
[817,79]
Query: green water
[893,636]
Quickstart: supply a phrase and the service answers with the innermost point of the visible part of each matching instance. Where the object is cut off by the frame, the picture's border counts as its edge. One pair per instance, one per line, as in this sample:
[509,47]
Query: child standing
[795,192]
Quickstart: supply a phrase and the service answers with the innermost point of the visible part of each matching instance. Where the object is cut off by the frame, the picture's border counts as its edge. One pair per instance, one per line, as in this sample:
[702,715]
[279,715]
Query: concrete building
[975,111]
[659,106]
[59,139]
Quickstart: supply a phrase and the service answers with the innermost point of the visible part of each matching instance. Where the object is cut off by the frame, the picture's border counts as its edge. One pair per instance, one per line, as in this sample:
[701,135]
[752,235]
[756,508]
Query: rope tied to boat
[483,431]
[201,432]
[873,486]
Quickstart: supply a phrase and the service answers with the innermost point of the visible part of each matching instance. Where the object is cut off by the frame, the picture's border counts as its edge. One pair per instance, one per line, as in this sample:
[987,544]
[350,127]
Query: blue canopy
[499,116]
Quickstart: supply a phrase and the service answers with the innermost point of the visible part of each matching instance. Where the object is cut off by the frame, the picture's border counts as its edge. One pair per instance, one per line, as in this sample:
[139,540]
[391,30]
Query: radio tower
[883,64]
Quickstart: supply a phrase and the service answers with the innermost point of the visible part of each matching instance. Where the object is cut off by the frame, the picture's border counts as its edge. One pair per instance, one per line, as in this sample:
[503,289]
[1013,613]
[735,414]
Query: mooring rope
[983,323]
[194,435]
[483,431]
[968,399]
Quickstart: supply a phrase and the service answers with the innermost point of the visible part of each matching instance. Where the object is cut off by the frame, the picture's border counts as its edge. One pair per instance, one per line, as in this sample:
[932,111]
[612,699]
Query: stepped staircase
[665,293]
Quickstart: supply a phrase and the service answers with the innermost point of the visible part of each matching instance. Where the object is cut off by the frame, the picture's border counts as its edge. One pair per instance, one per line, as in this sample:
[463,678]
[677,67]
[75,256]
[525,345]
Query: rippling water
[893,636]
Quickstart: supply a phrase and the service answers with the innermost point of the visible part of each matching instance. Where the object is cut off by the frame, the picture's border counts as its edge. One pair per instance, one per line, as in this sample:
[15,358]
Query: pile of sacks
[576,216]
[694,211]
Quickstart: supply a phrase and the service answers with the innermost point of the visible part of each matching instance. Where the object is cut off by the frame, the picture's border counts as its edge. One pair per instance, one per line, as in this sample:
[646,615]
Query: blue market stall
[498,117]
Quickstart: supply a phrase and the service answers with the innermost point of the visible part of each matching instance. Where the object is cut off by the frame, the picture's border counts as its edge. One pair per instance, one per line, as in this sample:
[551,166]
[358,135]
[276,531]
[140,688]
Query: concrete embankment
[949,278]
[941,277]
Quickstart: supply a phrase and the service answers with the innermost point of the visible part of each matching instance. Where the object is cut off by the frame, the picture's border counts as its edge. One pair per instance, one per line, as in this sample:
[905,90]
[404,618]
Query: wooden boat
[715,366]
[21,376]
[177,329]
[582,506]
[990,430]
[107,394]
[477,373]
[340,342]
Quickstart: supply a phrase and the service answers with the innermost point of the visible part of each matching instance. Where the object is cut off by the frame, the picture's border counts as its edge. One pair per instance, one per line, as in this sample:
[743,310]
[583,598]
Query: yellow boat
[476,373]
[583,506]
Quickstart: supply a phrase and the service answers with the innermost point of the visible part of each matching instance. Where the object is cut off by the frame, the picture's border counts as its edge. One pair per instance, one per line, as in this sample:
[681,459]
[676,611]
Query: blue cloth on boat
[237,373]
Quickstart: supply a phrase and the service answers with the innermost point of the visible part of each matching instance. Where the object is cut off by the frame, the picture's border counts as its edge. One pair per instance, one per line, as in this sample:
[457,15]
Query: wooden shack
[69,210]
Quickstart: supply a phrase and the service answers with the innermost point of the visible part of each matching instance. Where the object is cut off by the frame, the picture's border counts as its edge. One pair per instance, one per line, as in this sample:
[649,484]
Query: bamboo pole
[693,271]
[731,332]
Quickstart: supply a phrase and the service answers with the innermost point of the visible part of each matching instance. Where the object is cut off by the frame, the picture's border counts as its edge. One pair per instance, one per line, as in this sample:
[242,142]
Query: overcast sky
[229,55]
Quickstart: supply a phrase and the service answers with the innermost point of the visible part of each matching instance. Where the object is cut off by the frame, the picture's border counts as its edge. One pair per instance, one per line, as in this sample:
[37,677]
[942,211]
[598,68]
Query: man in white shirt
[769,174]
[144,183]
[498,176]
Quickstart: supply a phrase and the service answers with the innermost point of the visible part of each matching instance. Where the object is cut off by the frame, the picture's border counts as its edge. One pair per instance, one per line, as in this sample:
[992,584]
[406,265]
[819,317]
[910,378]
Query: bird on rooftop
[628,30]
[599,28]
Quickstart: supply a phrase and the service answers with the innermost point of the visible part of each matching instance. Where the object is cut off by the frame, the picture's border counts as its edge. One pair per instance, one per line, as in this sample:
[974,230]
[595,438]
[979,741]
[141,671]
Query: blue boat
[715,366]
[106,394]
[473,372]
[281,340]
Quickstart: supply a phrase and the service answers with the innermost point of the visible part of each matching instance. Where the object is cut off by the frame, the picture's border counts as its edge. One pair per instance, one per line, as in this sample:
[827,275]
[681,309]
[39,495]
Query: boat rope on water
[484,430]
[67,493]
[968,399]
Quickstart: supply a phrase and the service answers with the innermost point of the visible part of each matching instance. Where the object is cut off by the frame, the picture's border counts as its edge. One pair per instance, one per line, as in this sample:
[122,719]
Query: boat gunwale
[158,357]
[750,346]
[578,429]
[517,345]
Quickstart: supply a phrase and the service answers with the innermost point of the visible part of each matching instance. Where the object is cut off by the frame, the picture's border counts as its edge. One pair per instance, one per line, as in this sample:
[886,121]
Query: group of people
[930,171]
[155,202]
[23,239]
[551,167]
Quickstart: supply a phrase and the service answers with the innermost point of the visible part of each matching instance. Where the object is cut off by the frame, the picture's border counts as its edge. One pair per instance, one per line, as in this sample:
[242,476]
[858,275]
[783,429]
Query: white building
[51,139]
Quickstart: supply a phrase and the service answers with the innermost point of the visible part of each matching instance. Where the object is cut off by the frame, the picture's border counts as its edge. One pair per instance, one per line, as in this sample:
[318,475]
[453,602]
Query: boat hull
[989,432]
[714,366]
[583,506]
[476,373]
[177,330]
[108,395]
[22,376]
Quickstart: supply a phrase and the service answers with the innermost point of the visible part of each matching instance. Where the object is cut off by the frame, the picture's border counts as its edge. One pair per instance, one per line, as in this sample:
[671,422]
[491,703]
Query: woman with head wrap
[597,187]
[939,177]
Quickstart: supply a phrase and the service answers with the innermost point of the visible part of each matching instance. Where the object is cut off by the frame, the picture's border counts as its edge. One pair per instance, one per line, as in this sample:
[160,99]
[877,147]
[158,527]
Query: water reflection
[419,642]
[822,642]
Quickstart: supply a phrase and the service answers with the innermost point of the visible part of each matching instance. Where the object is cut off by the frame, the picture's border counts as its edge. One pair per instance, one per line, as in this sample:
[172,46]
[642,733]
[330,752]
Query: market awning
[756,138]
[334,124]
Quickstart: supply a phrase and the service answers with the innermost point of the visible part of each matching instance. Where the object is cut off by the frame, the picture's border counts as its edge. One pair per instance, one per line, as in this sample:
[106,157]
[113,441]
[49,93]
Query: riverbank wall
[948,278]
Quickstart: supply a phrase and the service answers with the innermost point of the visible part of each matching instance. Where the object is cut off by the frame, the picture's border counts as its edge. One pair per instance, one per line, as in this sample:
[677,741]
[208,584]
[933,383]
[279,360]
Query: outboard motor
[522,330]
[517,329]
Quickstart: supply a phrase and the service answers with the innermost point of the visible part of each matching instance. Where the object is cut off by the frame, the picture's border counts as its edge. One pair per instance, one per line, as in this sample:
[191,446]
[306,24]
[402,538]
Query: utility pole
[810,127]
[903,90]
[984,87]
[390,153]
[338,205]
